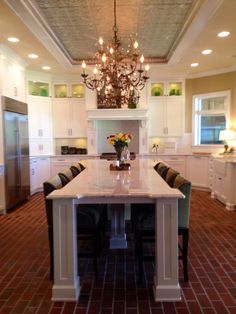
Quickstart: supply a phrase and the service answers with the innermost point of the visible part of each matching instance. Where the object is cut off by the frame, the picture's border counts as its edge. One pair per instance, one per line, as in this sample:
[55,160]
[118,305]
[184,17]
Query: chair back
[81,166]
[170,176]
[77,169]
[48,187]
[66,176]
[159,165]
[162,170]
[183,203]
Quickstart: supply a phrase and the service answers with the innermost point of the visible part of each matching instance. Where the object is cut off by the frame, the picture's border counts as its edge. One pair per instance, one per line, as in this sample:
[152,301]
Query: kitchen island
[98,184]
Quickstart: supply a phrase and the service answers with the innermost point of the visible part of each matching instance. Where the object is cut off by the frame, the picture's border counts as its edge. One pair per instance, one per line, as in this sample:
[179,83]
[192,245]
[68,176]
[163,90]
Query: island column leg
[166,279]
[66,285]
[118,235]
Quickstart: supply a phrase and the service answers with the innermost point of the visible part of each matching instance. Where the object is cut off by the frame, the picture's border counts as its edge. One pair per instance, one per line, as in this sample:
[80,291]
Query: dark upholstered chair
[183,220]
[89,224]
[48,187]
[66,176]
[171,174]
[144,227]
[158,165]
[77,169]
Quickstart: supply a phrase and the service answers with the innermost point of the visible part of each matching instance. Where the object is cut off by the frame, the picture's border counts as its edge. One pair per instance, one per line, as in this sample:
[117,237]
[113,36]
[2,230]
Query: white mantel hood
[117,114]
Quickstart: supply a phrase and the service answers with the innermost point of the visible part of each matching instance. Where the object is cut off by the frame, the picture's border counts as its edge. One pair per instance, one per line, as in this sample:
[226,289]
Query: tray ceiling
[76,25]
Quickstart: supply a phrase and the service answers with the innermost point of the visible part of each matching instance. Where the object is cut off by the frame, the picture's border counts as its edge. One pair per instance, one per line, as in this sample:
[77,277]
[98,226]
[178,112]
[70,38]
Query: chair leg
[95,254]
[185,253]
[50,237]
[136,243]
[140,257]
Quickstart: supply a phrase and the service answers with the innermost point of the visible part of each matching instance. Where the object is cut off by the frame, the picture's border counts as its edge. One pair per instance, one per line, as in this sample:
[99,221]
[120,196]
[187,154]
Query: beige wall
[208,84]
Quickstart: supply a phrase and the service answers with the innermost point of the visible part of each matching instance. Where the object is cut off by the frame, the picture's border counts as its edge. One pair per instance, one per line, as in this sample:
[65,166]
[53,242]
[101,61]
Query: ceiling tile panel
[79,24]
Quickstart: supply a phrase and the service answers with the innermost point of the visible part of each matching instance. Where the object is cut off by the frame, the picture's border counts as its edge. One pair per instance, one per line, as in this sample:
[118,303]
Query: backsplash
[75,145]
[106,128]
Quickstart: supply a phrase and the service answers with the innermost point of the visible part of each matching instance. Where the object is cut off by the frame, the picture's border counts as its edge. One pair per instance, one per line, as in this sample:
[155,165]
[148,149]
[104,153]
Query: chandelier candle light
[118,76]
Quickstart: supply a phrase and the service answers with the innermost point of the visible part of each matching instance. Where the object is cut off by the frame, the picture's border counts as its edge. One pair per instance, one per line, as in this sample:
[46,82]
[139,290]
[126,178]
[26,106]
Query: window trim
[225,93]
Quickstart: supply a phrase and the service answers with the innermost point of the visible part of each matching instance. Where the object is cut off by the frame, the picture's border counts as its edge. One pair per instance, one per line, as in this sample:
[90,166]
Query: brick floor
[24,268]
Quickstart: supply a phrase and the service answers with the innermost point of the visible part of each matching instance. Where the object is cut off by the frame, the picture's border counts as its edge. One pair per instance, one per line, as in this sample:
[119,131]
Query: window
[210,115]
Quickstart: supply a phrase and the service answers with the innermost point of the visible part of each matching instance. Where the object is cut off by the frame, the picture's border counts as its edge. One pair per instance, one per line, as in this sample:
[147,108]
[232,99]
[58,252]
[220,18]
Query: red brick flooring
[24,268]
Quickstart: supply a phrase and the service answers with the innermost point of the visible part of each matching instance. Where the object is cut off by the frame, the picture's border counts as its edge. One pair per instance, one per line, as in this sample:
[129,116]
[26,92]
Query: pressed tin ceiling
[76,25]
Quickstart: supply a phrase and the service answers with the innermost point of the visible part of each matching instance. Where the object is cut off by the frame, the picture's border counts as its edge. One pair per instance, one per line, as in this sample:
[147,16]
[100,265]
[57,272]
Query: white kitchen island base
[95,185]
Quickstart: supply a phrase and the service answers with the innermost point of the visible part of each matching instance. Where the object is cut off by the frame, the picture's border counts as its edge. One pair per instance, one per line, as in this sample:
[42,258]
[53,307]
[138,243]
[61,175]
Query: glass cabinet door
[60,91]
[157,89]
[77,90]
[38,88]
[175,88]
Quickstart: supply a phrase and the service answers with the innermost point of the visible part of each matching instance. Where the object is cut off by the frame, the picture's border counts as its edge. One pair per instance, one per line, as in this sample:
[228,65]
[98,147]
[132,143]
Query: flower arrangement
[119,139]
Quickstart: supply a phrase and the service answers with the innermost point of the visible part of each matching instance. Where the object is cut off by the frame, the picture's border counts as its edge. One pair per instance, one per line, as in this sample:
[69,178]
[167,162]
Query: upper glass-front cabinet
[169,88]
[69,90]
[175,88]
[60,91]
[36,88]
[77,90]
[157,89]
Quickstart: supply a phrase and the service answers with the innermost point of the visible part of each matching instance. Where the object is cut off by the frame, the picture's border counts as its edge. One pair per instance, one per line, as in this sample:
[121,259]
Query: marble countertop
[97,180]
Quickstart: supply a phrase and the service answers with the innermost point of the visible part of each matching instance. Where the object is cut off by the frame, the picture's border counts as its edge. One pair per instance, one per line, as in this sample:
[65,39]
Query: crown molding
[212,72]
[31,16]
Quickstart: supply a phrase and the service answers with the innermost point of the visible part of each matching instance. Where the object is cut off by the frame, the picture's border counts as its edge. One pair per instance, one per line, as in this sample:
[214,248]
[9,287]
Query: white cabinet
[175,162]
[40,147]
[12,77]
[197,171]
[33,175]
[69,118]
[40,117]
[166,116]
[40,171]
[40,125]
[224,182]
[43,171]
[211,172]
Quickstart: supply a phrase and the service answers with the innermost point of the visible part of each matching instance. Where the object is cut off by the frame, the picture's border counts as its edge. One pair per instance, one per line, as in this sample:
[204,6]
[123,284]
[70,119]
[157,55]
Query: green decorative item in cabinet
[175,89]
[157,89]
[38,88]
[43,92]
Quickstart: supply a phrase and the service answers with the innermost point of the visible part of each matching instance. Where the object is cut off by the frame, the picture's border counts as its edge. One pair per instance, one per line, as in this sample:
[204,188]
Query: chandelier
[118,75]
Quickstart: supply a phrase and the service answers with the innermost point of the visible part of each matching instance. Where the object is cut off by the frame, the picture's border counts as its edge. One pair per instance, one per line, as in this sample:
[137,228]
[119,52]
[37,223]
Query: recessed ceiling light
[33,56]
[13,39]
[206,51]
[223,34]
[46,67]
[195,64]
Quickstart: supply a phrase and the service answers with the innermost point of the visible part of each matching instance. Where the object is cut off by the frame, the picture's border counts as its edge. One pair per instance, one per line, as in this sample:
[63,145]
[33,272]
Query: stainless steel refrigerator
[16,152]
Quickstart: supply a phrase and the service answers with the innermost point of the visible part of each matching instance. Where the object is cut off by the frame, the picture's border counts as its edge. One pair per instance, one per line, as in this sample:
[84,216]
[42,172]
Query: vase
[119,149]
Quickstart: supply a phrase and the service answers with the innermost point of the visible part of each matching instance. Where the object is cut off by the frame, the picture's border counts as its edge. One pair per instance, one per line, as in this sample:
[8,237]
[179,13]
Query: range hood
[117,114]
[94,116]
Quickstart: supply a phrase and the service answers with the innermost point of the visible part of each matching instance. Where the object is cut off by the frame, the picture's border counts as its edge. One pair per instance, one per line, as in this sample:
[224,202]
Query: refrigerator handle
[18,180]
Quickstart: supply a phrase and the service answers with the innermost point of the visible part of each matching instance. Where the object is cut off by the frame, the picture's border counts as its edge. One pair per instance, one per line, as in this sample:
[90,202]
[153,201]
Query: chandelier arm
[117,76]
